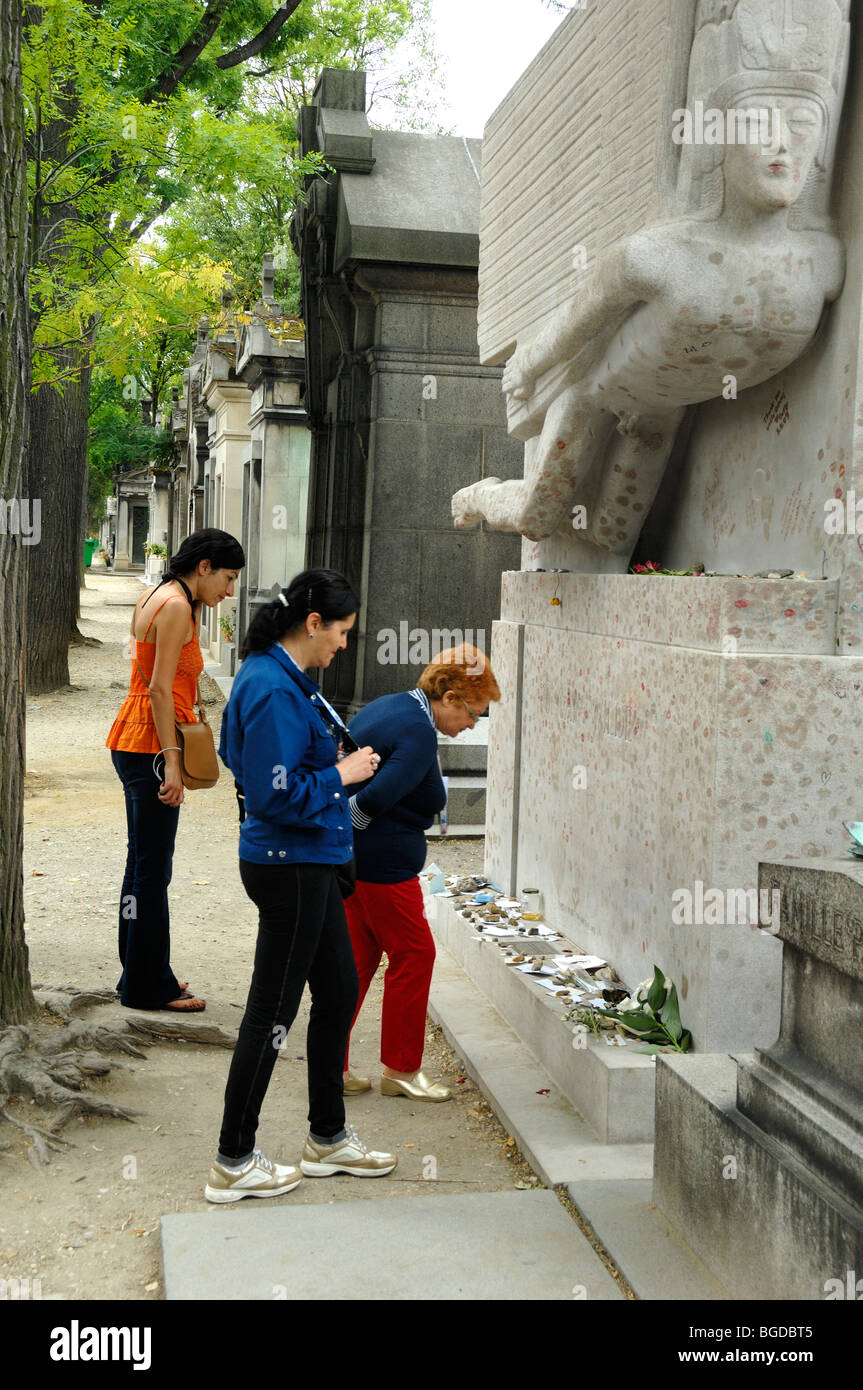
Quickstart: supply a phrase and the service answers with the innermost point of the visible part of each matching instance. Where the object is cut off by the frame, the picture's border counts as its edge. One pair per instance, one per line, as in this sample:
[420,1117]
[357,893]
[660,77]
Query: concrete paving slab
[644,1245]
[505,1246]
[557,1142]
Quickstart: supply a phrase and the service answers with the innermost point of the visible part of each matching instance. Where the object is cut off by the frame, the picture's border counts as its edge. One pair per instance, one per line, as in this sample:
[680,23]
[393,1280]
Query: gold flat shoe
[421,1088]
[355,1085]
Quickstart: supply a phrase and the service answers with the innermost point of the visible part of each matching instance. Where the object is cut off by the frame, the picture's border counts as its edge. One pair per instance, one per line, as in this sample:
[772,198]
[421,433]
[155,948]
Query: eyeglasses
[473,714]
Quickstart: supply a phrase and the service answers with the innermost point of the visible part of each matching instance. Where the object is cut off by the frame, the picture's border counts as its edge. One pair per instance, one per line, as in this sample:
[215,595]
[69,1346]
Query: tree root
[159,1029]
[63,1001]
[52,1067]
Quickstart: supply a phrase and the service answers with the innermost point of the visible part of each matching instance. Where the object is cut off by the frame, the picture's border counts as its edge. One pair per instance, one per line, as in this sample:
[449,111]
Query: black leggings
[302,935]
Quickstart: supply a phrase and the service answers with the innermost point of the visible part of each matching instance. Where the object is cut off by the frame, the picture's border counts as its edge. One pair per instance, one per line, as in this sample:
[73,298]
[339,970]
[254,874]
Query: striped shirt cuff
[359,819]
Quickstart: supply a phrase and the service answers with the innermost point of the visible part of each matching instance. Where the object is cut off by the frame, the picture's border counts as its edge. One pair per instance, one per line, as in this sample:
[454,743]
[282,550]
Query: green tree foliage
[126,108]
[135,123]
[236,220]
[119,438]
[134,112]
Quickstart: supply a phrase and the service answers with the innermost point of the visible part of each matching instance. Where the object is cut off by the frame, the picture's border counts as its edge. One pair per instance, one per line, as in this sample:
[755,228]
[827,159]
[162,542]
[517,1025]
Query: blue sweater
[392,811]
[277,746]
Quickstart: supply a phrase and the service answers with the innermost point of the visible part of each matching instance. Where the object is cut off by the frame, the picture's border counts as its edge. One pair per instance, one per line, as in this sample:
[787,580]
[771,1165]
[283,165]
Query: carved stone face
[772,172]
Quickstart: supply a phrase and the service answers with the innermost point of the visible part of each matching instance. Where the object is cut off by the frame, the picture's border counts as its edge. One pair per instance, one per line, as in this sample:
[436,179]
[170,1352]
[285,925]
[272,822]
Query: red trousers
[389,917]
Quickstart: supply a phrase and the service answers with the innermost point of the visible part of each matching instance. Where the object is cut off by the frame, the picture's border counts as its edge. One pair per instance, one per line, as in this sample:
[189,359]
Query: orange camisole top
[134,729]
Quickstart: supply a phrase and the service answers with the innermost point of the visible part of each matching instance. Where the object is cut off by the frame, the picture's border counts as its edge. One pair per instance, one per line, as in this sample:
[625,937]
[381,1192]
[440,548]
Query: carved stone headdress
[745,52]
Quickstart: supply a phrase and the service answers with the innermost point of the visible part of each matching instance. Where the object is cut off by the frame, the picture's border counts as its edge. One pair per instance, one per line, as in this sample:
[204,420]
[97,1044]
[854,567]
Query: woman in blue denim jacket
[292,760]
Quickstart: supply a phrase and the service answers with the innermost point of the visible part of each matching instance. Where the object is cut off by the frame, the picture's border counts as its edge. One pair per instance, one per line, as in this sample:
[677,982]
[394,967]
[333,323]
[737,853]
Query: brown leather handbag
[199,765]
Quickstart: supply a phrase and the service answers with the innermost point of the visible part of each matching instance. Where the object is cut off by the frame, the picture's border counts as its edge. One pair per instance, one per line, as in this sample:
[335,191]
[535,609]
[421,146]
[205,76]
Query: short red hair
[465,671]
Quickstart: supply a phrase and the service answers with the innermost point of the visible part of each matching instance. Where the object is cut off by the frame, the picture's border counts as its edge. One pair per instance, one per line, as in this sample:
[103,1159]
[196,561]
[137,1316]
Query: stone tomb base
[657,737]
[758,1162]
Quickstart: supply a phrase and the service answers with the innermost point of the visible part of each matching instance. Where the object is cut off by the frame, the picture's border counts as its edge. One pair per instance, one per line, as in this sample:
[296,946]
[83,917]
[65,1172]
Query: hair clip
[280,596]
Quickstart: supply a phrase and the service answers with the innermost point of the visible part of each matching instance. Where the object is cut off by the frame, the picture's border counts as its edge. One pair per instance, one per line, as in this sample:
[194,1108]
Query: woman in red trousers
[390,816]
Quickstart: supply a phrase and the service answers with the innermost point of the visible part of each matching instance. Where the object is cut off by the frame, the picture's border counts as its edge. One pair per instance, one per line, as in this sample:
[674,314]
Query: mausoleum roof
[418,204]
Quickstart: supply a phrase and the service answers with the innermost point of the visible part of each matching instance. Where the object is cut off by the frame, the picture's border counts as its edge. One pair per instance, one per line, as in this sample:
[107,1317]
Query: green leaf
[670,1014]
[639,1024]
[656,993]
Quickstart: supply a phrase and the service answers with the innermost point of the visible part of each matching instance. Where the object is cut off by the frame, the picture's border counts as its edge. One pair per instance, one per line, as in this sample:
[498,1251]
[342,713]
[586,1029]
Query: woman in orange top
[165,653]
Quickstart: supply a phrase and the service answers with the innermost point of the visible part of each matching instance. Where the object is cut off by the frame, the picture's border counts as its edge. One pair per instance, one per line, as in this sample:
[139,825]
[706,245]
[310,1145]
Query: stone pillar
[227,398]
[276,463]
[159,529]
[123,551]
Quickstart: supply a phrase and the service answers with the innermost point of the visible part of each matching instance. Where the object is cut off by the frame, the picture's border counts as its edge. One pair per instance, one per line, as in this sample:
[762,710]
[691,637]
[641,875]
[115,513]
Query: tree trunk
[16,995]
[58,475]
[58,442]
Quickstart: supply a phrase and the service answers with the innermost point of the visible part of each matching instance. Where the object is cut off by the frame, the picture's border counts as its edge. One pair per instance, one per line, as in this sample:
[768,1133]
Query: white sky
[485,45]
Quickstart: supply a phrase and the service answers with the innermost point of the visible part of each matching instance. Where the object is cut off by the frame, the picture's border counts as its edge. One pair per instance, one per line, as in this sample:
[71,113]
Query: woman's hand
[172,792]
[358,767]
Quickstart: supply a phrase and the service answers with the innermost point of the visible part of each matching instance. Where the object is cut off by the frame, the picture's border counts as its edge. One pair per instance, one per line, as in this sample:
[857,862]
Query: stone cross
[268,278]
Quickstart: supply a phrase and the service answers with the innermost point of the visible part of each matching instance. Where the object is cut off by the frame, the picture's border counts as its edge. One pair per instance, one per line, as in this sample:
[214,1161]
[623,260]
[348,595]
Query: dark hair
[223,551]
[314,591]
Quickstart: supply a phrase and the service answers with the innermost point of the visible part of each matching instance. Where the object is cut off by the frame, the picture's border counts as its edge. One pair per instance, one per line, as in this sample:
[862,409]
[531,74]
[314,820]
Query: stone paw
[468,504]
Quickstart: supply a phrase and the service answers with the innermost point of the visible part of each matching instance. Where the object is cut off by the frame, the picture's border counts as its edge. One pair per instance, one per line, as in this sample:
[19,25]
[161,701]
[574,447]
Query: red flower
[639,569]
[652,565]
[740,603]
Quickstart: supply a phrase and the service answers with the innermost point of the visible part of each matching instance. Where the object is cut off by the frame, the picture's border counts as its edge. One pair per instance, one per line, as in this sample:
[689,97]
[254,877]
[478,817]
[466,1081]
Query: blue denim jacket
[276,744]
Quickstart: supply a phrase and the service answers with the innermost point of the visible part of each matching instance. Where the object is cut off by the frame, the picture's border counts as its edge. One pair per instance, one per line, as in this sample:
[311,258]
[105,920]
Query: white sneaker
[257,1177]
[350,1155]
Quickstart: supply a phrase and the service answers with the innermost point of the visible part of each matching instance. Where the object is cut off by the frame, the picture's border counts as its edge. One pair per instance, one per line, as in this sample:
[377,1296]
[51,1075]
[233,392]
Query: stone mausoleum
[401,410]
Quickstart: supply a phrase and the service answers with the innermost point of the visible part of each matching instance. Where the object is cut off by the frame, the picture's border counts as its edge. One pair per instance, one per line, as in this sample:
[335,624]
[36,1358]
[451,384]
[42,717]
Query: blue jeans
[144,937]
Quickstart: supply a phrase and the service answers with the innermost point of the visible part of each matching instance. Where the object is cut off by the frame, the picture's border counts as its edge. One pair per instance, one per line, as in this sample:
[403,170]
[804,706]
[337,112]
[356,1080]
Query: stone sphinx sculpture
[721,296]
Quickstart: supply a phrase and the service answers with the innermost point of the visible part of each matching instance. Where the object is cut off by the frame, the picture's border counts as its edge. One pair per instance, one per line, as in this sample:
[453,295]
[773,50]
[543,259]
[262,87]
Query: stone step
[610,1184]
[466,799]
[643,1244]
[456,832]
[465,752]
[557,1142]
[766,1225]
[612,1087]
